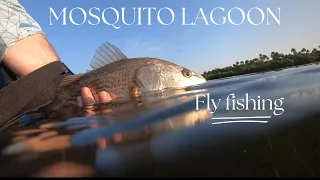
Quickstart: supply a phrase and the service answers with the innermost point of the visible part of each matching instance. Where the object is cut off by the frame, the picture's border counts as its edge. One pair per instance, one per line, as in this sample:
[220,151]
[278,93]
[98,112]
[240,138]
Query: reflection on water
[162,134]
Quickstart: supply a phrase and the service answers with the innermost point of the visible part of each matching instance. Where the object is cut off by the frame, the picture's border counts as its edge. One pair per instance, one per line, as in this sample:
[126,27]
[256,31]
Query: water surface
[164,135]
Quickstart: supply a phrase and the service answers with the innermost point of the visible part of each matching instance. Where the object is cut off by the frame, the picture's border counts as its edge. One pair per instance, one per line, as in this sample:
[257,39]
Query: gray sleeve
[15,24]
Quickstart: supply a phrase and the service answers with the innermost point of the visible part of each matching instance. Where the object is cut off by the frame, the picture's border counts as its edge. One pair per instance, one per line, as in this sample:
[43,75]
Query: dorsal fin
[107,53]
[69,79]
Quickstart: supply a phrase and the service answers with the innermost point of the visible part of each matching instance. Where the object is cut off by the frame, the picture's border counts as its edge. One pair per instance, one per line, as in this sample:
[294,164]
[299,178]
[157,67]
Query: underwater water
[170,134]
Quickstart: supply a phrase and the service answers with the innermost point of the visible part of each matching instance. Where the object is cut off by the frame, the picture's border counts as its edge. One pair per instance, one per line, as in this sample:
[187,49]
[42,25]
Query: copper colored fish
[123,77]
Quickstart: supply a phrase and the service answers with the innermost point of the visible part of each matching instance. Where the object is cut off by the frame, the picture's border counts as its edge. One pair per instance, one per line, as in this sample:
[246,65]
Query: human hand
[87,97]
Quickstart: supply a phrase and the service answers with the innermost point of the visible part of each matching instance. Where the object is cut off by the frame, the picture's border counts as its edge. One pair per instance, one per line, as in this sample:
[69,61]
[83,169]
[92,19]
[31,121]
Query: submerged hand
[87,97]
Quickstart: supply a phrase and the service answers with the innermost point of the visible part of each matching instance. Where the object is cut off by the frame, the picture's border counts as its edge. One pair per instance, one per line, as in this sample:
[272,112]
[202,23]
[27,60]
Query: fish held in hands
[114,72]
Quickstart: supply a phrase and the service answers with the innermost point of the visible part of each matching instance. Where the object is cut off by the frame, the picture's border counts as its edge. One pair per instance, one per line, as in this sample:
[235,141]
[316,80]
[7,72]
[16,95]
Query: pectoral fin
[69,79]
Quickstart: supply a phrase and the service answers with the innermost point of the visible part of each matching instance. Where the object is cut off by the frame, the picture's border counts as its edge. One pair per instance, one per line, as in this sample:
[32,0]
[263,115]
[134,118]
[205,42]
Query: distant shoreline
[264,64]
[230,77]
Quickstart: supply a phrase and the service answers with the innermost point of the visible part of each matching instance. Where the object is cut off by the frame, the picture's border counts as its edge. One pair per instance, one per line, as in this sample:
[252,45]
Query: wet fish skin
[126,77]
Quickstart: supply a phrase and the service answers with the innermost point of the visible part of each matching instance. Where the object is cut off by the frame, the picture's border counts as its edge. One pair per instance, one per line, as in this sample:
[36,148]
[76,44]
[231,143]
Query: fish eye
[186,73]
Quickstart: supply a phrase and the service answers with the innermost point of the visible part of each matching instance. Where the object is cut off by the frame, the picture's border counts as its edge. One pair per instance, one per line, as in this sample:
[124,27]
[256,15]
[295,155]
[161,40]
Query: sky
[200,47]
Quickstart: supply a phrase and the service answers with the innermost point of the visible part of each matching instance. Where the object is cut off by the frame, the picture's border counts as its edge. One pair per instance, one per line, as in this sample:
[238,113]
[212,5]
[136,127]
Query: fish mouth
[199,76]
[200,80]
[197,79]
[192,81]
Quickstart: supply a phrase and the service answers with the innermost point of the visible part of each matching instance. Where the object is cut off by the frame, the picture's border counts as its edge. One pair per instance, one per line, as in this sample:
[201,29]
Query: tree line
[263,63]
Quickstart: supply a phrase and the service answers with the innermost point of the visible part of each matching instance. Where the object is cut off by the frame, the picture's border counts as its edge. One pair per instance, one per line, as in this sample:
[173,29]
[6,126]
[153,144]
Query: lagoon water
[164,135]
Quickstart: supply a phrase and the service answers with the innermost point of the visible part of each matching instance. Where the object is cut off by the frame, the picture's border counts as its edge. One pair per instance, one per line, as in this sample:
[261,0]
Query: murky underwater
[170,134]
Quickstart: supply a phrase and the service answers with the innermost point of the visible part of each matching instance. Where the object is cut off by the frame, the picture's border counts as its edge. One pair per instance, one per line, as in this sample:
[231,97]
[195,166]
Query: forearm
[23,46]
[29,54]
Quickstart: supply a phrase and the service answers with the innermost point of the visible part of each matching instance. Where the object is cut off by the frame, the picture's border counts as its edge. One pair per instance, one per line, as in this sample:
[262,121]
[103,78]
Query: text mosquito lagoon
[117,18]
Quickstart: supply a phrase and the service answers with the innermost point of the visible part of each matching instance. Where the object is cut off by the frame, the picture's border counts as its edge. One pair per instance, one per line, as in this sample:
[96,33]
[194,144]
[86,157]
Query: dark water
[164,135]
